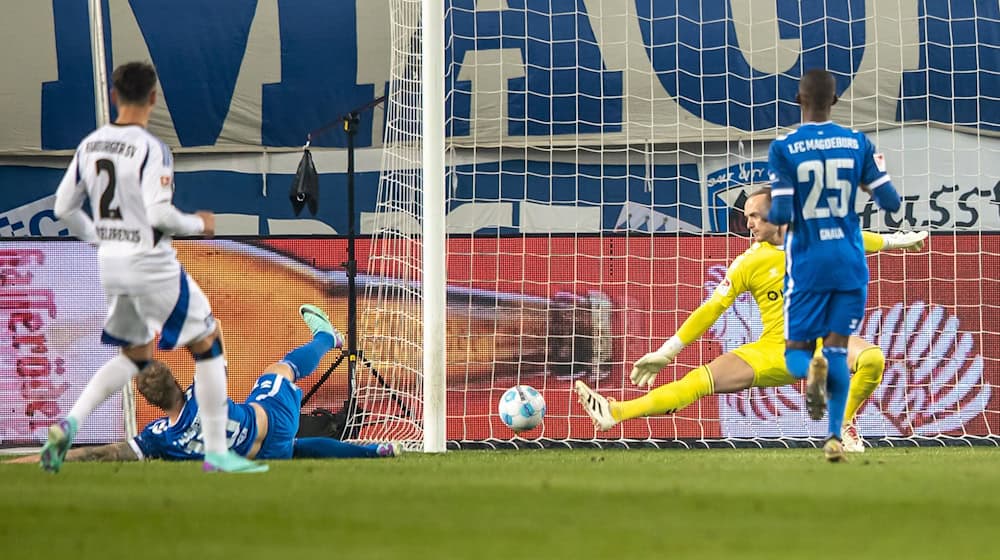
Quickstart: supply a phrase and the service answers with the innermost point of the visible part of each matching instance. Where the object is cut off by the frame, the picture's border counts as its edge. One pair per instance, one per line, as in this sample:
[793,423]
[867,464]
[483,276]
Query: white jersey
[124,171]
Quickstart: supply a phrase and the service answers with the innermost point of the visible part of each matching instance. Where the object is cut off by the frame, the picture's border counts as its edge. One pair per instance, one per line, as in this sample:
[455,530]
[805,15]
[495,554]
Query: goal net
[598,156]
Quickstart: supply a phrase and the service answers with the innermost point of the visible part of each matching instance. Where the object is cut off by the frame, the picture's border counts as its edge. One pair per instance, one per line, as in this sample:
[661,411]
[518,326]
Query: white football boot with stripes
[597,406]
[853,443]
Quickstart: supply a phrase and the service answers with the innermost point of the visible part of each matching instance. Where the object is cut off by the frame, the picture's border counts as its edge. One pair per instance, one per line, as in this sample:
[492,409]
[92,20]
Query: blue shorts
[281,400]
[812,315]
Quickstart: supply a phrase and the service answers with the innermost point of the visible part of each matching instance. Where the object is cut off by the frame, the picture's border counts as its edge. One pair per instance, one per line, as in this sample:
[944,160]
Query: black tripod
[351,353]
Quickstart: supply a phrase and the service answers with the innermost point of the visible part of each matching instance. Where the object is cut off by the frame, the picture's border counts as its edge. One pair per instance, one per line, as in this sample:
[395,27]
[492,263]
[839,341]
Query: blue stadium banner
[243,81]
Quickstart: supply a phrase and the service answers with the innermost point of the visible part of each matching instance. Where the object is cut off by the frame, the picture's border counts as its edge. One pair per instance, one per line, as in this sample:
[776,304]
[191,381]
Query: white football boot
[597,406]
[853,443]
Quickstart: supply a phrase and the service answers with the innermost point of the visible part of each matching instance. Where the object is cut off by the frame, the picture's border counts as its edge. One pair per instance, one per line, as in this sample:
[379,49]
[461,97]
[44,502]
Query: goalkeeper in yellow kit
[760,271]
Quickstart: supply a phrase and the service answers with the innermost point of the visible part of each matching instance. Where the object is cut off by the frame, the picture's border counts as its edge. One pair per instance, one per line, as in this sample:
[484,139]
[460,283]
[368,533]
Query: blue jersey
[183,440]
[821,165]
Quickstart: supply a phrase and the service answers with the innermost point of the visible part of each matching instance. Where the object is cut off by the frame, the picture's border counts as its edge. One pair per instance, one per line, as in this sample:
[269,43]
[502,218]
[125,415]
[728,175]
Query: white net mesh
[599,155]
[388,389]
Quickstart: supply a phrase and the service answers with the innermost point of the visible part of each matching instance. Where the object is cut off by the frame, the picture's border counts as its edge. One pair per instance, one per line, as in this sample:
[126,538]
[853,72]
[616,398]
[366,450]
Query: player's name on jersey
[118,234]
[827,234]
[823,144]
[110,147]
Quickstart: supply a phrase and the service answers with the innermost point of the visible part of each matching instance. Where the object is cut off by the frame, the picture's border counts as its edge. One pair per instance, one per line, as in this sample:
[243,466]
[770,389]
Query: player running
[263,427]
[760,271]
[816,171]
[127,173]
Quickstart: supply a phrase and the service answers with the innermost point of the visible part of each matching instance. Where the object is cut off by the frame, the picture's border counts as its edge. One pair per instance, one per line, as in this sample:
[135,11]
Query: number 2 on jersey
[822,177]
[106,211]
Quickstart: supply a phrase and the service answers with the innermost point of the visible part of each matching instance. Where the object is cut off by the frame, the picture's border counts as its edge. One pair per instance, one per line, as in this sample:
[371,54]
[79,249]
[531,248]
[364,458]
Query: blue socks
[304,359]
[797,362]
[837,383]
[329,448]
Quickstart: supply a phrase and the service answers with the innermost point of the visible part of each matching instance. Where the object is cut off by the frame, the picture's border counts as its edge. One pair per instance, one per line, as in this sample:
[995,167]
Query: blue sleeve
[782,187]
[872,163]
[329,448]
[886,197]
[149,442]
[875,176]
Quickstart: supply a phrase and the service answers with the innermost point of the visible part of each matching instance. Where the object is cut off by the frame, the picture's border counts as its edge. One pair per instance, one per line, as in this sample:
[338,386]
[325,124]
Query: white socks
[210,391]
[107,381]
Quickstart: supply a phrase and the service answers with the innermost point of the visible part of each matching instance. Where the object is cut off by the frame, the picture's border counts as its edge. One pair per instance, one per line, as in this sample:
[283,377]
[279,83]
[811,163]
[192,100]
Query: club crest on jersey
[723,288]
[879,161]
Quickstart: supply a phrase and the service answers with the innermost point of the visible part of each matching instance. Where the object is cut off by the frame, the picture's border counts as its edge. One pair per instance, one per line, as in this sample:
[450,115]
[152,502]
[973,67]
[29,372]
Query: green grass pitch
[617,504]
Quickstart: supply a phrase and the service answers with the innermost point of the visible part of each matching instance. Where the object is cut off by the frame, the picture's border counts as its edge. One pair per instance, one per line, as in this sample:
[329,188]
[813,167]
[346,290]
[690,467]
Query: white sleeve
[164,217]
[158,194]
[69,203]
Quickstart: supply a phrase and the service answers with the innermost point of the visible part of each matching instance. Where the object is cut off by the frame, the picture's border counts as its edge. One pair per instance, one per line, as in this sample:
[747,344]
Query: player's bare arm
[120,451]
[208,218]
[112,452]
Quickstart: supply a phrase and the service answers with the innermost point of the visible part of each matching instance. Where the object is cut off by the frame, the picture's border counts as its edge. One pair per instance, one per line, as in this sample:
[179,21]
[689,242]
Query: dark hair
[134,81]
[818,89]
[156,382]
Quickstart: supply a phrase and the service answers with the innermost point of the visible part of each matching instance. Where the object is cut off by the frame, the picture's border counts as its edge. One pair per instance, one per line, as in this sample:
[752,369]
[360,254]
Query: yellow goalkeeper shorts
[768,362]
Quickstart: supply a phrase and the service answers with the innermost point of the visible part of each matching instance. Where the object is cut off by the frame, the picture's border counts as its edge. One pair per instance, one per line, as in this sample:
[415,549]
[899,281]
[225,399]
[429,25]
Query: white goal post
[434,232]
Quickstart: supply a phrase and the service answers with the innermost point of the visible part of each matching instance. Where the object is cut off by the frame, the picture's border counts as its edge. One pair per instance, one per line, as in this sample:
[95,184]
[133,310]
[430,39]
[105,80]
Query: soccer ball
[522,408]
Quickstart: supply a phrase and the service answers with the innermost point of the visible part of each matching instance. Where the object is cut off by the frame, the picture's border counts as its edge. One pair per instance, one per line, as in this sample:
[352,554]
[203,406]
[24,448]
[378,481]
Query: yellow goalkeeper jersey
[761,271]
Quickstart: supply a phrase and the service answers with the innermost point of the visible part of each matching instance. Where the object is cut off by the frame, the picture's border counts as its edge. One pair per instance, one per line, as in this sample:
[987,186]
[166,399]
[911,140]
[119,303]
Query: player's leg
[838,381]
[768,362]
[845,311]
[726,374]
[277,393]
[302,361]
[280,400]
[185,318]
[805,321]
[868,365]
[123,327]
[329,448]
[213,405]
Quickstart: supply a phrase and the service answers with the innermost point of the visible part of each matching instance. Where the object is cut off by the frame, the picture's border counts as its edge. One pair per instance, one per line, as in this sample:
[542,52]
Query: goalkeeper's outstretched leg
[726,374]
[867,363]
[759,364]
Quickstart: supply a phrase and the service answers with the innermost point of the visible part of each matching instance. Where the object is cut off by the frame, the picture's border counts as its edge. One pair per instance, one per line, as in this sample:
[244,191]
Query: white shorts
[177,309]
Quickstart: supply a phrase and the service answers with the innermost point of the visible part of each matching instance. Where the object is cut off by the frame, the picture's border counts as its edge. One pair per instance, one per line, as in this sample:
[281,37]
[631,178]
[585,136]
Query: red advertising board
[536,310]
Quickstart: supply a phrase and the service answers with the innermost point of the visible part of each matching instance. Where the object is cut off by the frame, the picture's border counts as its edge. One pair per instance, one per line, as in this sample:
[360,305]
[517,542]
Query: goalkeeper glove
[646,368]
[909,240]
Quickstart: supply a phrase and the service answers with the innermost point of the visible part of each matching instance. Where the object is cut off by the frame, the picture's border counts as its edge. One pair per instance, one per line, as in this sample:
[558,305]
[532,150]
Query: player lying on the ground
[760,271]
[263,427]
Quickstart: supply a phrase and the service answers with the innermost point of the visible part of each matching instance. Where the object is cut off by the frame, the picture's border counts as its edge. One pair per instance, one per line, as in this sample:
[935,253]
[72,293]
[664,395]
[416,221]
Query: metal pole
[351,266]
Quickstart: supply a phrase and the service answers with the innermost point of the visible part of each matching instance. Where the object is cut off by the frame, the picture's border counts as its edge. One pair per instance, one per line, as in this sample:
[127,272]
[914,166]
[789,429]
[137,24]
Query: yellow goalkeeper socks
[867,375]
[668,398]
